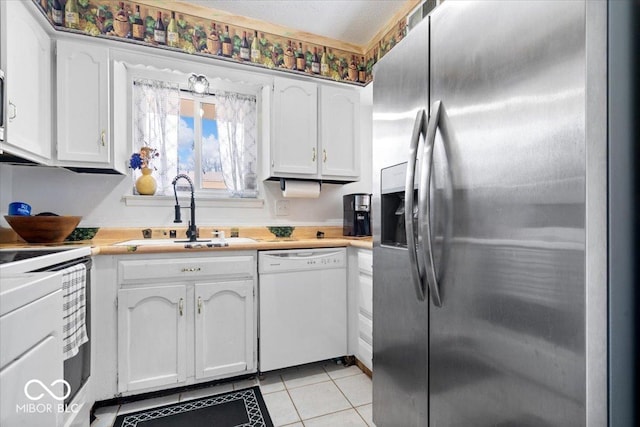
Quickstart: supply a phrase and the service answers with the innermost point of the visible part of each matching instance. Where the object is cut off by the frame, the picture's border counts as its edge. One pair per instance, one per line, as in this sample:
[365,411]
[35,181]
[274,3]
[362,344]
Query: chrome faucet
[192,231]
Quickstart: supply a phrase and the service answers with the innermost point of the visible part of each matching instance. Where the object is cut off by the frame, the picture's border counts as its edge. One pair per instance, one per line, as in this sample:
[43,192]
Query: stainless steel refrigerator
[489,214]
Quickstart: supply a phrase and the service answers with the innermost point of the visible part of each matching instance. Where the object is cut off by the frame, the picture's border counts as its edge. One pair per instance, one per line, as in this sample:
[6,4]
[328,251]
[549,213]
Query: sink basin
[181,242]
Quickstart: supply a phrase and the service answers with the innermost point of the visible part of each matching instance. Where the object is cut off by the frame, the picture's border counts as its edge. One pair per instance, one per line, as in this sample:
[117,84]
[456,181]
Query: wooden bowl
[43,229]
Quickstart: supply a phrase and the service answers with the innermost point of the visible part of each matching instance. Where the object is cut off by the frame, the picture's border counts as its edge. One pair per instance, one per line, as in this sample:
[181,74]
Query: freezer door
[507,346]
[400,324]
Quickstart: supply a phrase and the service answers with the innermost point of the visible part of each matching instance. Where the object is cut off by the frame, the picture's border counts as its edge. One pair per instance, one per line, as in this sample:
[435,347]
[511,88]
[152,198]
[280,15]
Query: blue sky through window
[186,144]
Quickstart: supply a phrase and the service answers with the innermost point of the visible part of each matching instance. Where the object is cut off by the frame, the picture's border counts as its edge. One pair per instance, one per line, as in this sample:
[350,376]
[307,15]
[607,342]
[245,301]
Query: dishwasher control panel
[301,260]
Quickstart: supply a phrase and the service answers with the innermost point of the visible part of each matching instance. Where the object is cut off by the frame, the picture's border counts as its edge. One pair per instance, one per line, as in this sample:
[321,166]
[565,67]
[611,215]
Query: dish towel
[74,330]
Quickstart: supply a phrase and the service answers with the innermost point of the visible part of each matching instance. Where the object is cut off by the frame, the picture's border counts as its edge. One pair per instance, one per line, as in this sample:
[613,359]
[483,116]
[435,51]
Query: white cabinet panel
[365,294]
[339,132]
[294,142]
[365,353]
[366,328]
[365,261]
[186,268]
[184,320]
[28,83]
[365,307]
[224,334]
[152,332]
[315,131]
[83,102]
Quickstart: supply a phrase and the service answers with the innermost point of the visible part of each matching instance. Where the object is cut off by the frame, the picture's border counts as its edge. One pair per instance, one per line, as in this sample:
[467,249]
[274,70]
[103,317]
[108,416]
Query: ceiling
[350,21]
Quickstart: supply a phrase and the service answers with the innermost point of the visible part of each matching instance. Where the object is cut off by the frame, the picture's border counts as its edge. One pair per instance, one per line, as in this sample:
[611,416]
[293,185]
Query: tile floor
[315,395]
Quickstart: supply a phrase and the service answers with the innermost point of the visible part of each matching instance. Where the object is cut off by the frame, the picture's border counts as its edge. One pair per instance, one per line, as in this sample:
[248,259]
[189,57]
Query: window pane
[211,166]
[186,142]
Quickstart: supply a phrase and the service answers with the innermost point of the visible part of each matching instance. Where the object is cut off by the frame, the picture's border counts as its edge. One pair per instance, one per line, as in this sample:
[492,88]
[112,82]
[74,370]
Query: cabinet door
[83,102]
[294,144]
[225,328]
[28,84]
[151,337]
[365,308]
[339,133]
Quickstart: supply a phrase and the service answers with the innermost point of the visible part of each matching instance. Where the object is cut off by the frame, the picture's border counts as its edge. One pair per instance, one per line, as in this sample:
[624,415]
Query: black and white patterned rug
[241,408]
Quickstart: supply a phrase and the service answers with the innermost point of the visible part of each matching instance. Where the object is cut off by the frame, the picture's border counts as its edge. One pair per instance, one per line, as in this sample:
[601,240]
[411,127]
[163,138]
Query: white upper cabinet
[339,133]
[315,131]
[28,83]
[83,135]
[295,128]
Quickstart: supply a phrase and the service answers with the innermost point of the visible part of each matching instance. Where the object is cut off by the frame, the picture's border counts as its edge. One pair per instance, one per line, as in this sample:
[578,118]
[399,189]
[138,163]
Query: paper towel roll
[301,189]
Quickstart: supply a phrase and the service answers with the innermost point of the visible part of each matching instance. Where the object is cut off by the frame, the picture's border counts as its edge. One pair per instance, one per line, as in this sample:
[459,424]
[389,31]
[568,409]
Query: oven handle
[84,260]
[3,97]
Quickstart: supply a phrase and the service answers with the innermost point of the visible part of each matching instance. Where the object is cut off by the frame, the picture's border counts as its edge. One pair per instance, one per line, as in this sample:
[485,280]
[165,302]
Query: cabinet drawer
[365,326]
[365,261]
[365,353]
[365,294]
[188,268]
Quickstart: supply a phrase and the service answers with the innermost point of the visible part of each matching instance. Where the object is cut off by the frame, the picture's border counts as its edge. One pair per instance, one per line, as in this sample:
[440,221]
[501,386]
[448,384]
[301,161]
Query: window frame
[226,79]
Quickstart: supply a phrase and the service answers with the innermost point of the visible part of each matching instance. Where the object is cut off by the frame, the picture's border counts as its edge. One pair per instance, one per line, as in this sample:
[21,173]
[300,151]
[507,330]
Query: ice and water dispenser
[393,228]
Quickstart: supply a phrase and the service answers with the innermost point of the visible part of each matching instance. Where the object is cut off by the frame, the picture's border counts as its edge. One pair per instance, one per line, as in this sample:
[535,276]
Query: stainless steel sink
[231,241]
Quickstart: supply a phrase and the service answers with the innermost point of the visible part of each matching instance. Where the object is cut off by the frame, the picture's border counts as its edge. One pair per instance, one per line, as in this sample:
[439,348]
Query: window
[212,139]
[197,122]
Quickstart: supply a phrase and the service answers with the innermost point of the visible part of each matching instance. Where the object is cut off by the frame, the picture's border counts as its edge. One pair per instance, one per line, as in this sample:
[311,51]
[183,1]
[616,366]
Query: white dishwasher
[303,306]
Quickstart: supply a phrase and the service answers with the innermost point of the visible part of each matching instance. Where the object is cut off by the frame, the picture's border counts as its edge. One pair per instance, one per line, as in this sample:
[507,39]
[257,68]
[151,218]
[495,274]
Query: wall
[98,198]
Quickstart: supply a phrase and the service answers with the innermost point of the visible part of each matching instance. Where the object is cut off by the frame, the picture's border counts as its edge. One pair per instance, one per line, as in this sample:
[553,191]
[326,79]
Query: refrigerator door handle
[416,268]
[424,205]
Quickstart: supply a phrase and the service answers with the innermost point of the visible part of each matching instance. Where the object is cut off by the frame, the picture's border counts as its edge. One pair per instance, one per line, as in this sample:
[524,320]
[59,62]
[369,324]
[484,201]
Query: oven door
[77,369]
[3,109]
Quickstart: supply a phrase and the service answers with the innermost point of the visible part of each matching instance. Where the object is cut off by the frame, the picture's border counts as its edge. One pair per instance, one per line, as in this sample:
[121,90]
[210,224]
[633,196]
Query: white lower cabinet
[179,328]
[223,319]
[364,350]
[152,332]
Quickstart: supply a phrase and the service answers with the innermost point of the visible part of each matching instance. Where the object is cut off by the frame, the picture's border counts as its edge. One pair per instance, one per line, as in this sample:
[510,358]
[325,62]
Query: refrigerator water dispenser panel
[393,228]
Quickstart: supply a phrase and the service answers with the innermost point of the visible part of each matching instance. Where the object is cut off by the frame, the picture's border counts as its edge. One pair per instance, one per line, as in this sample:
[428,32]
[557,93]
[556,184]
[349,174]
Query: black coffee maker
[357,214]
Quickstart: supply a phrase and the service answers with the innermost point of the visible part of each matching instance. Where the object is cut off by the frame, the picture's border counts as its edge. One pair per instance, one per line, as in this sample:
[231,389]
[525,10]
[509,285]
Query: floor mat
[241,408]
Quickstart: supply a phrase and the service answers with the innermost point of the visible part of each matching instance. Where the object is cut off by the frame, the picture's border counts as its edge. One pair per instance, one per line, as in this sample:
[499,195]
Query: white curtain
[237,121]
[156,111]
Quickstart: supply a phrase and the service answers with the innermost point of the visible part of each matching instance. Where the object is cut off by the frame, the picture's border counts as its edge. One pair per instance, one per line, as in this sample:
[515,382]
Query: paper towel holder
[283,184]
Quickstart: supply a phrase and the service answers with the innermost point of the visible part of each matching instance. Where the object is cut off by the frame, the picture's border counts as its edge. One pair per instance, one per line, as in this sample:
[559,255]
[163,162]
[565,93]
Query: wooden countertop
[303,238]
[109,249]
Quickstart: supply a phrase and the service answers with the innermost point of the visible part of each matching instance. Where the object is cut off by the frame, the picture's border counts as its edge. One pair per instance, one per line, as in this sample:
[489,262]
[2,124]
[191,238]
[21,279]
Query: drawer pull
[190,269]
[181,306]
[14,110]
